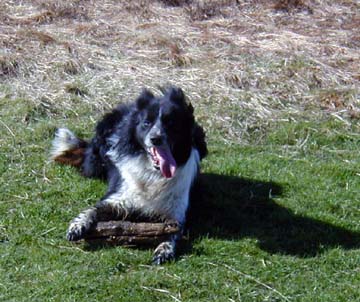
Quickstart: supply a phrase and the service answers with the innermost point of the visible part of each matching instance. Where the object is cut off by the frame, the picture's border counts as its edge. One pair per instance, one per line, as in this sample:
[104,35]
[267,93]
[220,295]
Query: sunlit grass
[276,220]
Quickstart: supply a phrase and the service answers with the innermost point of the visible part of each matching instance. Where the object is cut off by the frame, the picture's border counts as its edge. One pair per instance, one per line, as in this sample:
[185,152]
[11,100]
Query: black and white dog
[149,152]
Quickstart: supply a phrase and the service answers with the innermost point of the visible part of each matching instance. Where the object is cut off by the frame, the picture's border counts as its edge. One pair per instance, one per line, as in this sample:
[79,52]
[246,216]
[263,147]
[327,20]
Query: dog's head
[165,128]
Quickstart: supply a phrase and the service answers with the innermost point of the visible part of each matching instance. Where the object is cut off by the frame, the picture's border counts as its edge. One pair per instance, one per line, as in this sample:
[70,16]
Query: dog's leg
[108,208]
[165,251]
[81,224]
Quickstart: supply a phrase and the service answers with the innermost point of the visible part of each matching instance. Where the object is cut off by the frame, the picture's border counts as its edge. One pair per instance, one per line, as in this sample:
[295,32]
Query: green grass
[275,220]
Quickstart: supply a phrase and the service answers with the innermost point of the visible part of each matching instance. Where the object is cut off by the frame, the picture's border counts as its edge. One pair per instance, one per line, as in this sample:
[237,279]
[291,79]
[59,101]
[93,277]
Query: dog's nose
[156,140]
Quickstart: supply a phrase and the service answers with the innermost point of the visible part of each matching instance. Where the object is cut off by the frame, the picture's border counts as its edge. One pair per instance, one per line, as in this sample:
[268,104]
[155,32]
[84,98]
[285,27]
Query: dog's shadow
[233,208]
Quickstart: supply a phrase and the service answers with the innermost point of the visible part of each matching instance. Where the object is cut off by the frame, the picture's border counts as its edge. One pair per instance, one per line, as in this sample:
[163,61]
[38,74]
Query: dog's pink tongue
[167,162]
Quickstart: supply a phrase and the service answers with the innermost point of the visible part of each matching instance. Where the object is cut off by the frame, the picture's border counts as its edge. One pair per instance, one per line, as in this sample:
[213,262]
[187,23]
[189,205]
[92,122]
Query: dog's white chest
[144,188]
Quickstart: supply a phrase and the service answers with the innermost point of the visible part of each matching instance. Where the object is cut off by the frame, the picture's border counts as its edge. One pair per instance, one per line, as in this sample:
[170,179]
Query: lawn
[271,221]
[275,214]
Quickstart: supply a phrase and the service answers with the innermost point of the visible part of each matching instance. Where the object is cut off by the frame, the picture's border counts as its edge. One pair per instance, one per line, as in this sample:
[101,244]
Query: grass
[275,85]
[275,220]
[244,60]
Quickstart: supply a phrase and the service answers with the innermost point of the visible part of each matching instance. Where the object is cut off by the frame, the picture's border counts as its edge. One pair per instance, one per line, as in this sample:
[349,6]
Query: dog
[149,152]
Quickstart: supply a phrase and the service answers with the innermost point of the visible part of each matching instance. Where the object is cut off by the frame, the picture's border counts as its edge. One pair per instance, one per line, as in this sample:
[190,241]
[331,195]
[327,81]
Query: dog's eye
[146,123]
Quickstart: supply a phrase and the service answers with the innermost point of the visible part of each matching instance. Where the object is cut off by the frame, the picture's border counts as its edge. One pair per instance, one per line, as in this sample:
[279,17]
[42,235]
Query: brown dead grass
[290,5]
[242,63]
[9,66]
[205,10]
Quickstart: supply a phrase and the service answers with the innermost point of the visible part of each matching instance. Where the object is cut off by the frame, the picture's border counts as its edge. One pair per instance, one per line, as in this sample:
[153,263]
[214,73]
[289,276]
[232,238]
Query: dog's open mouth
[163,159]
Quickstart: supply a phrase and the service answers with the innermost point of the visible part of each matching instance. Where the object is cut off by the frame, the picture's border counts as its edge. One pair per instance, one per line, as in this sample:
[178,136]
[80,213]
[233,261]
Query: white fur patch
[145,189]
[64,140]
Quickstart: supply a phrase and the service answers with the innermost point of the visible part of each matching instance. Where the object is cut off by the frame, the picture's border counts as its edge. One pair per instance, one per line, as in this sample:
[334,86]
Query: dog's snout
[156,140]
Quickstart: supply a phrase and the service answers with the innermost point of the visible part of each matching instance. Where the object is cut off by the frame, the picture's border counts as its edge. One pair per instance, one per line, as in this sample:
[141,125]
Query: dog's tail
[68,149]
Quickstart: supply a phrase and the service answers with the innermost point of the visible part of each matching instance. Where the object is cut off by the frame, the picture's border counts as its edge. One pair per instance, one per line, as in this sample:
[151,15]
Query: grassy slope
[286,223]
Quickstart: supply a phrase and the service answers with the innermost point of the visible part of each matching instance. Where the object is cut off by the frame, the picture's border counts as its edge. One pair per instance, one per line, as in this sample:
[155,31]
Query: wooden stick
[131,233]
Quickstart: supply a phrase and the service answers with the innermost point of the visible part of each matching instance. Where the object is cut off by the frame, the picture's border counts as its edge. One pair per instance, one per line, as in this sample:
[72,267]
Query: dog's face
[164,129]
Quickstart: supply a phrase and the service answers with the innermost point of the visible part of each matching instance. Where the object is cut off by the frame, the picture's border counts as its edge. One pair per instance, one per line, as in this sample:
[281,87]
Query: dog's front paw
[81,224]
[75,231]
[165,252]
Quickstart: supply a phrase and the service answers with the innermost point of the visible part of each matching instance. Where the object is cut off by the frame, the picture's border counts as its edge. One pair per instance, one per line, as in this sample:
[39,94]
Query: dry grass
[8,66]
[289,5]
[240,62]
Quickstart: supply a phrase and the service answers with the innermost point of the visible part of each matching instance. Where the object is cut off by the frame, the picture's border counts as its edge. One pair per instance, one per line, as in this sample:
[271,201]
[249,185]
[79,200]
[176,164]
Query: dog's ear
[144,99]
[190,108]
[199,141]
[176,95]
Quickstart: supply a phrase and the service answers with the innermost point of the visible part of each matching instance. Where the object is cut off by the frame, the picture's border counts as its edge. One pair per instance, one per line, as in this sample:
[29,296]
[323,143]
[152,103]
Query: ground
[275,85]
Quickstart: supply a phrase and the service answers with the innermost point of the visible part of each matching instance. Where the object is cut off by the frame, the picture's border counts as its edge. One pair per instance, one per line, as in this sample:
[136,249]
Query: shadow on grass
[233,208]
